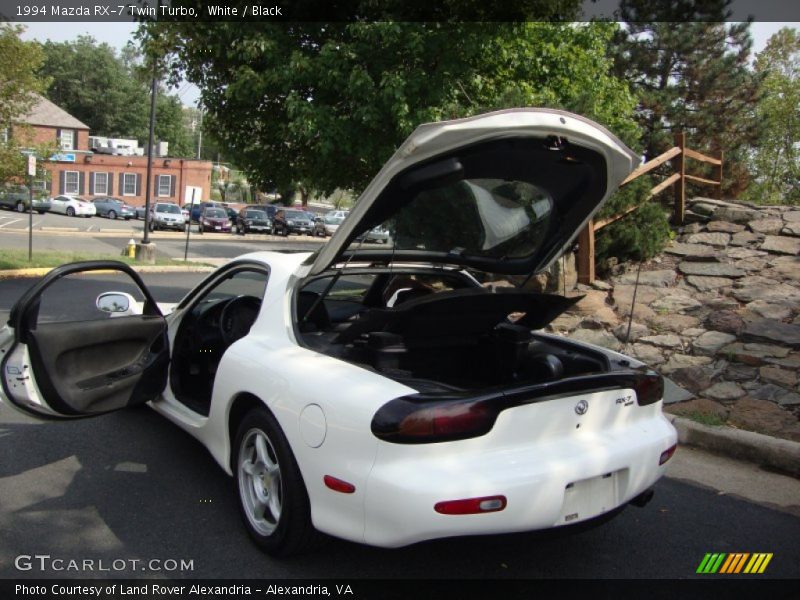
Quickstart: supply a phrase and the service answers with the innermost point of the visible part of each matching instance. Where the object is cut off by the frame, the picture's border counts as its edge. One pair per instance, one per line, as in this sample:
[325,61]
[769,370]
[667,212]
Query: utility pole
[200,132]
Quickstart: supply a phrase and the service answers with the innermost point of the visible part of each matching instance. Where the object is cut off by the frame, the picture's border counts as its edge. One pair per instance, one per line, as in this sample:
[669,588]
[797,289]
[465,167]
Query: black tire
[20,207]
[41,212]
[152,226]
[70,211]
[112,214]
[292,531]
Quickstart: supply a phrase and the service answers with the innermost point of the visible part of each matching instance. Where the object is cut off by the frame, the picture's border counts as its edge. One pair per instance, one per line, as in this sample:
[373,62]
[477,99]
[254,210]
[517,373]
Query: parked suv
[18,198]
[167,215]
[250,219]
[197,209]
[292,221]
[214,218]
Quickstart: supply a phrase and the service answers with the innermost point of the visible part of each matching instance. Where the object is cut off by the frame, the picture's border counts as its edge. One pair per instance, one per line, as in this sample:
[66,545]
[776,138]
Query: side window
[240,283]
[76,297]
[350,288]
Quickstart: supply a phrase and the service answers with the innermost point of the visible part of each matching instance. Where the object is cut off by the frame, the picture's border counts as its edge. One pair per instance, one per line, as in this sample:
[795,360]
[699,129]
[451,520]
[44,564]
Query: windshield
[168,208]
[295,214]
[332,220]
[492,218]
[215,213]
[255,214]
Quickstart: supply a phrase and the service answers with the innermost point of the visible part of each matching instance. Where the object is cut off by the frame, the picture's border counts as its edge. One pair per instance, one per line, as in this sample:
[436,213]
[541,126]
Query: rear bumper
[547,484]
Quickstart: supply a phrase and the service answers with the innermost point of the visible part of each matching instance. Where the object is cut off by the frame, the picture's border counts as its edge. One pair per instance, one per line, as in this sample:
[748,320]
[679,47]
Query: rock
[781,244]
[724,390]
[675,303]
[751,264]
[590,303]
[680,361]
[719,303]
[712,239]
[673,323]
[772,331]
[752,354]
[744,238]
[601,285]
[739,253]
[649,355]
[704,283]
[787,266]
[694,379]
[792,361]
[700,406]
[767,226]
[565,322]
[789,399]
[740,373]
[637,330]
[735,214]
[764,417]
[710,269]
[662,278]
[664,341]
[725,321]
[623,295]
[724,227]
[602,338]
[781,377]
[769,310]
[778,293]
[792,216]
[693,332]
[792,229]
[690,251]
[703,208]
[710,342]
[768,391]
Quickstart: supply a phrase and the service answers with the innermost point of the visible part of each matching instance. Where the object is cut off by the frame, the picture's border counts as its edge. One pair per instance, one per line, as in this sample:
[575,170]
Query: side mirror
[116,303]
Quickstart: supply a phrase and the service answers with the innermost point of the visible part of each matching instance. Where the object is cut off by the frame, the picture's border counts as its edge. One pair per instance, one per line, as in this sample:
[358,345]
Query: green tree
[110,92]
[18,84]
[776,158]
[325,104]
[691,76]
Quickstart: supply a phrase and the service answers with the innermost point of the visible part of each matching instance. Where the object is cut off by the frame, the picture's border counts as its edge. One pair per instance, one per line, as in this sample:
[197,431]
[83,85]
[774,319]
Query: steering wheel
[238,317]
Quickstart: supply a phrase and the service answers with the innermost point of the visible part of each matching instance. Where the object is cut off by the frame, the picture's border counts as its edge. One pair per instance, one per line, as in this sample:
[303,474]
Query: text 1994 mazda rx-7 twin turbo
[436,408]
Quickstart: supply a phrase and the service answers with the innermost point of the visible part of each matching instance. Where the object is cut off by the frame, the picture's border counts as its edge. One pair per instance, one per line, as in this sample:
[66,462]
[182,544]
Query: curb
[773,453]
[42,271]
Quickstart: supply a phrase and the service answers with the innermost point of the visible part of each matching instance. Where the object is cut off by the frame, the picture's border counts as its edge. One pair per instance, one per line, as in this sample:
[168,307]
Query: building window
[164,185]
[72,182]
[101,183]
[129,184]
[66,139]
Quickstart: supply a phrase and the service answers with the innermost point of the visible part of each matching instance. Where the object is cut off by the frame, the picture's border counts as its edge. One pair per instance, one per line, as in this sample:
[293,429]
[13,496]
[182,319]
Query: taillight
[649,389]
[406,421]
[667,454]
[471,506]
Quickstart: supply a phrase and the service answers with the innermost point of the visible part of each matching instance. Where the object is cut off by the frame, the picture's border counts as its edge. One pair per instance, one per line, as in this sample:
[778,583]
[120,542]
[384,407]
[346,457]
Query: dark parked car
[291,221]
[113,208]
[252,220]
[198,208]
[18,197]
[214,218]
[270,209]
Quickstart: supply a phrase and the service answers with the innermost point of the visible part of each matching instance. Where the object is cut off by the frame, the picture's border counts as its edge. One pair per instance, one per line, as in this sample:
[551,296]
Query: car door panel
[87,367]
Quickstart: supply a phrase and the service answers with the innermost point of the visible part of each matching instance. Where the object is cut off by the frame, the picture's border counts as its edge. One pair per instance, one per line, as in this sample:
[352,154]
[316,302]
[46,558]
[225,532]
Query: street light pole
[148,185]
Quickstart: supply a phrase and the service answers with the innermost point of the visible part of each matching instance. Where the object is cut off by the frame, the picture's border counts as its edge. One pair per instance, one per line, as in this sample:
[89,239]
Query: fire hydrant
[131,248]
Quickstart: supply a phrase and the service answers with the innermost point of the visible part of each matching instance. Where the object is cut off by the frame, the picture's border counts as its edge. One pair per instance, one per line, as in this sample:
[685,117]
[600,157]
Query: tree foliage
[325,104]
[691,76]
[18,84]
[110,92]
[776,159]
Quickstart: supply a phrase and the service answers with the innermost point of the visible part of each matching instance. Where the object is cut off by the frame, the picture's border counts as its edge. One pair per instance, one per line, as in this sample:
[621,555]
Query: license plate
[217,227]
[590,497]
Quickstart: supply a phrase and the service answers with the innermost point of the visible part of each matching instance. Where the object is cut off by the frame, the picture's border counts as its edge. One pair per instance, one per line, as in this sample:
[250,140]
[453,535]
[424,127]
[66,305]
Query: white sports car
[72,206]
[436,408]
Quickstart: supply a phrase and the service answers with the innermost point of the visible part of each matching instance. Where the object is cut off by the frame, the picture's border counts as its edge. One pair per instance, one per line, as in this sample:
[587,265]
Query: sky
[118,34]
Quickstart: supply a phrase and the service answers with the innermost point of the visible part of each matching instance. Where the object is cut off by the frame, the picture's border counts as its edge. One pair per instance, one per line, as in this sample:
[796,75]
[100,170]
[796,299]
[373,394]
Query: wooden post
[718,175]
[680,184]
[586,254]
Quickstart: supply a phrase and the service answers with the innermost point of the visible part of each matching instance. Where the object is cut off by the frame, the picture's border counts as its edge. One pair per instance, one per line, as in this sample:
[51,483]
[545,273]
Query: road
[130,486]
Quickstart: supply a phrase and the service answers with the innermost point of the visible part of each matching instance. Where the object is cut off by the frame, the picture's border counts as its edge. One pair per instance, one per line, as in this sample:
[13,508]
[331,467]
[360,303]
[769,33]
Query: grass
[709,419]
[18,259]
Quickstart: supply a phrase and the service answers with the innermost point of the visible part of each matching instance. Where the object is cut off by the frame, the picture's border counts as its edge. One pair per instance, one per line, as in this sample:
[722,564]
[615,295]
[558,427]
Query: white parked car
[167,215]
[72,206]
[431,412]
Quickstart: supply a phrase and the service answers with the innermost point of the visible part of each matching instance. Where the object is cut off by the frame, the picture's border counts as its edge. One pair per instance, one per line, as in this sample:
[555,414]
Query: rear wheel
[20,207]
[272,495]
[112,214]
[70,211]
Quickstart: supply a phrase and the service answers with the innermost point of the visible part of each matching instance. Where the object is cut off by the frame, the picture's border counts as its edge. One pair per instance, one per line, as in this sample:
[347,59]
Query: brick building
[75,169]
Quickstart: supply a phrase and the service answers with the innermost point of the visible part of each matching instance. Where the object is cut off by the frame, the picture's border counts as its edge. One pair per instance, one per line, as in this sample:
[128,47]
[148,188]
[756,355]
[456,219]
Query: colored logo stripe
[723,563]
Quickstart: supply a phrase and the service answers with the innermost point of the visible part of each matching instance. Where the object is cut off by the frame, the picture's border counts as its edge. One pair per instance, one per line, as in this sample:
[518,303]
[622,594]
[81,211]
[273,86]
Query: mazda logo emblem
[581,407]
